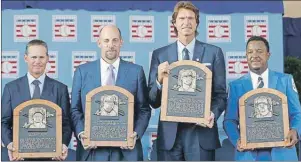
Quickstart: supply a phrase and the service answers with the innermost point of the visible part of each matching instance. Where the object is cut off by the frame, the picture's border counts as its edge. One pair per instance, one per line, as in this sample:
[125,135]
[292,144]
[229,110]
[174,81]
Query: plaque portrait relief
[263,107]
[37,118]
[186,80]
[109,116]
[108,106]
[37,129]
[186,93]
[263,119]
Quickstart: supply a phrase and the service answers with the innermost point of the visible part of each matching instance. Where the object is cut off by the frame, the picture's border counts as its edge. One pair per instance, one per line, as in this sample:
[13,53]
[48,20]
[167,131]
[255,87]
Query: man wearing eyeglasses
[110,70]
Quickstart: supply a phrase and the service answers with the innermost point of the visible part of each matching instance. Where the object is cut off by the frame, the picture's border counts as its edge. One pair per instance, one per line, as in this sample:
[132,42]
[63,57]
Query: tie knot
[185,50]
[111,67]
[36,82]
[260,78]
[186,54]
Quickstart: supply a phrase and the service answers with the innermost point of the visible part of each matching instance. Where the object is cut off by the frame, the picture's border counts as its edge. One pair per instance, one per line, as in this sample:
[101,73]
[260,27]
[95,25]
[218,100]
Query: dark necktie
[111,76]
[36,92]
[260,82]
[186,54]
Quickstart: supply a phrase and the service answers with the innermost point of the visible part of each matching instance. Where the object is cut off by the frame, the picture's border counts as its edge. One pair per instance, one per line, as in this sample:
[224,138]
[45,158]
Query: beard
[111,55]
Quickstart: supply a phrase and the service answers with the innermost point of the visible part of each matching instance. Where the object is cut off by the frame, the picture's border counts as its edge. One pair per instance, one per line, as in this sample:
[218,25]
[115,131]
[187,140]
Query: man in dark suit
[34,85]
[110,70]
[180,141]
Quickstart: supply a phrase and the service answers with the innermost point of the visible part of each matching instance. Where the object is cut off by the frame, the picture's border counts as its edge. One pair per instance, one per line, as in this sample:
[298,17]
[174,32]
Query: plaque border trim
[58,151]
[130,128]
[242,120]
[164,103]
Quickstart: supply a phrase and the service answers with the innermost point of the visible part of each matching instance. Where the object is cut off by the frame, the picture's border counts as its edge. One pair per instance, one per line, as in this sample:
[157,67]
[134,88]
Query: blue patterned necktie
[260,82]
[111,76]
[36,92]
[186,54]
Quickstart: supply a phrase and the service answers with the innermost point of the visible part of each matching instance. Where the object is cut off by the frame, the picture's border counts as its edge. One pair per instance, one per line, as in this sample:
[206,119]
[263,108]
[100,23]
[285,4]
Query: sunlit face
[186,23]
[36,59]
[257,56]
[110,43]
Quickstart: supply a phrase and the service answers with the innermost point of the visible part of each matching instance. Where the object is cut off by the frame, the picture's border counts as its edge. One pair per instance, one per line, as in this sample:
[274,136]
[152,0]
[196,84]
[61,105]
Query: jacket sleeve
[141,105]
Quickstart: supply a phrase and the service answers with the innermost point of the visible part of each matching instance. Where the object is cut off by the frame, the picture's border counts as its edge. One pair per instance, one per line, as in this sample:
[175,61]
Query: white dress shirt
[32,86]
[265,77]
[189,47]
[104,68]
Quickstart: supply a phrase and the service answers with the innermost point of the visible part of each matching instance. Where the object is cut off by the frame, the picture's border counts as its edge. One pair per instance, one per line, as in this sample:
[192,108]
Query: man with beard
[258,54]
[110,70]
[184,141]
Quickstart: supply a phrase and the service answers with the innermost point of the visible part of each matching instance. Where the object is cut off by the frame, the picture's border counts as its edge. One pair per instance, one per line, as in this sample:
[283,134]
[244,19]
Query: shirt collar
[263,75]
[31,78]
[190,46]
[105,65]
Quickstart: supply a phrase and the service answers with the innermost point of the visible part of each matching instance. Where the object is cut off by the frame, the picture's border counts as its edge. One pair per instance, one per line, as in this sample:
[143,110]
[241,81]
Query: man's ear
[26,58]
[99,43]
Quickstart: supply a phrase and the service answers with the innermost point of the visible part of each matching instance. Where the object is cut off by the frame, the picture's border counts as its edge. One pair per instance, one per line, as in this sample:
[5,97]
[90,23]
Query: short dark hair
[34,43]
[118,30]
[259,38]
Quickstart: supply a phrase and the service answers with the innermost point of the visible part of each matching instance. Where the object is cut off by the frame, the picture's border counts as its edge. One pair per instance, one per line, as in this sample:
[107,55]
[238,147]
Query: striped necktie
[260,83]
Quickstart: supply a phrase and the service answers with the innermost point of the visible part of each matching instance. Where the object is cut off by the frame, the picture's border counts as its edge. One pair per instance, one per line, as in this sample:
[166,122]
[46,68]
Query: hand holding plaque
[264,120]
[109,118]
[186,93]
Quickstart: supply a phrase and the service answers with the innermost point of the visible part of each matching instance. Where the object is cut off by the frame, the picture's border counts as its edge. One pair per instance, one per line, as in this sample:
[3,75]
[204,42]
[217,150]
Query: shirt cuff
[78,136]
[159,85]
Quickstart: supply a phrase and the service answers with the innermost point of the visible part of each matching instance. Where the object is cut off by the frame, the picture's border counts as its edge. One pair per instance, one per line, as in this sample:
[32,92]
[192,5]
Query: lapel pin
[197,59]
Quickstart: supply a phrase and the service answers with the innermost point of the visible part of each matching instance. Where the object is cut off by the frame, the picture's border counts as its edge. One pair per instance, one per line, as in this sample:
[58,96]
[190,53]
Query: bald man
[110,70]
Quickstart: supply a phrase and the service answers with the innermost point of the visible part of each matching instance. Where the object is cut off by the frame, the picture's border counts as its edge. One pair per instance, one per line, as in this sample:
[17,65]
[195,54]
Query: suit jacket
[130,77]
[279,81]
[17,92]
[203,53]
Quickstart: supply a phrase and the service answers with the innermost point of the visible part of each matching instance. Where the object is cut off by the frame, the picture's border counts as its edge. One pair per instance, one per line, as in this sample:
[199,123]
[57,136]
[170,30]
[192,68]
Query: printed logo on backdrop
[218,28]
[82,57]
[10,64]
[142,29]
[172,37]
[52,65]
[256,26]
[128,56]
[237,64]
[26,28]
[98,22]
[64,28]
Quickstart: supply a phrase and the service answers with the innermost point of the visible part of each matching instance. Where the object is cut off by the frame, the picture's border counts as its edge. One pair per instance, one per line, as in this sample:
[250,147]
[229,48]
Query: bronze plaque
[109,117]
[37,129]
[263,119]
[186,93]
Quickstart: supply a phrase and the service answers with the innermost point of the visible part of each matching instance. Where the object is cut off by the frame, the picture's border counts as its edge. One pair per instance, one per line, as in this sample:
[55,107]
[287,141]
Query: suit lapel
[122,73]
[173,53]
[97,74]
[47,88]
[198,51]
[247,83]
[272,80]
[24,88]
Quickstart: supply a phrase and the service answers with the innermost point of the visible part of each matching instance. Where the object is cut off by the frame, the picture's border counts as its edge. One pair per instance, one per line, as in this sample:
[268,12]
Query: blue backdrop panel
[141,49]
